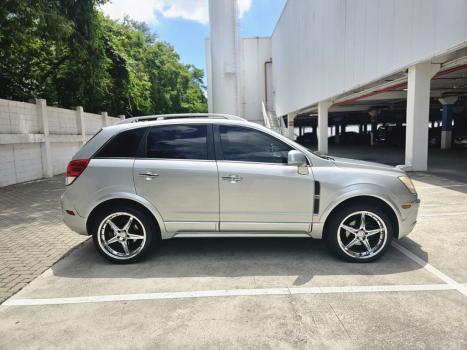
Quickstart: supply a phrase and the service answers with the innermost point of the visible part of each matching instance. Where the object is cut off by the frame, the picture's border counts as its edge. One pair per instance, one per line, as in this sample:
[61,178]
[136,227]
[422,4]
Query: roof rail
[180,116]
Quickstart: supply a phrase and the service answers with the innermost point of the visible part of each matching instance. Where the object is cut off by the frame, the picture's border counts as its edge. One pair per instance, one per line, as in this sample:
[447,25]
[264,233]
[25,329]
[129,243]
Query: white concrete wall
[22,139]
[322,48]
[253,53]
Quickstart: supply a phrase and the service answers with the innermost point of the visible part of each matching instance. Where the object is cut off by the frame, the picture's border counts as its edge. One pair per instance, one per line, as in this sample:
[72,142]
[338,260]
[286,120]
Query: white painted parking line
[228,293]
[459,287]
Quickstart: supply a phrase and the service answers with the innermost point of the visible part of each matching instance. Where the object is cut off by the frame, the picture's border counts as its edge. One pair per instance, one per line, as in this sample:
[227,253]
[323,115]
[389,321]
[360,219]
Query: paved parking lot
[253,293]
[32,234]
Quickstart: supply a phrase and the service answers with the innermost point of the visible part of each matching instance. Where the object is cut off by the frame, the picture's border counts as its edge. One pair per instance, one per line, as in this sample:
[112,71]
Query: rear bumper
[410,219]
[74,222]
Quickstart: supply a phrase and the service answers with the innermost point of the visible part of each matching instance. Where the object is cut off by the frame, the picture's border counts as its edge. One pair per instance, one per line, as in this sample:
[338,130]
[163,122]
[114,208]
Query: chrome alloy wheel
[121,235]
[362,235]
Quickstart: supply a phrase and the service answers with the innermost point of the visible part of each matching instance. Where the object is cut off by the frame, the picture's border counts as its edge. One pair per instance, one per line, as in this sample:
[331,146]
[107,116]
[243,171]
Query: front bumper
[410,219]
[74,222]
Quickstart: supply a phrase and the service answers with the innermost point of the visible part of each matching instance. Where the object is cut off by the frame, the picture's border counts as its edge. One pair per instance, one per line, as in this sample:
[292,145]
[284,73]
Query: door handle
[232,178]
[148,175]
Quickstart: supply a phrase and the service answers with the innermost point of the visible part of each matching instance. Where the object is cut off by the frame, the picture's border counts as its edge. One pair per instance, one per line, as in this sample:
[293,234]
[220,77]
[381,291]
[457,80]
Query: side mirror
[296,158]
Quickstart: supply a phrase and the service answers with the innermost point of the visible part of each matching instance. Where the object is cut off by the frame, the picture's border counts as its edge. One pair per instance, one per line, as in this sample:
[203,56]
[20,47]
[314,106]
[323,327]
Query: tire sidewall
[332,232]
[146,221]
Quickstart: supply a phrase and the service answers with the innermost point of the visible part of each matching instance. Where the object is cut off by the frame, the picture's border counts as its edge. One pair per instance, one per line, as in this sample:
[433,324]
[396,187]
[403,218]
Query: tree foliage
[68,52]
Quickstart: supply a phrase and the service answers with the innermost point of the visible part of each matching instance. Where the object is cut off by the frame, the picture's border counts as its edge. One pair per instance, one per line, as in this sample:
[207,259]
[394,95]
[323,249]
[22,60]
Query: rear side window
[178,142]
[123,145]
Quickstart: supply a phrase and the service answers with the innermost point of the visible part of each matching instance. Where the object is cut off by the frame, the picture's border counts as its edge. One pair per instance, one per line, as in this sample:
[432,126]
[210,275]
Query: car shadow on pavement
[234,257]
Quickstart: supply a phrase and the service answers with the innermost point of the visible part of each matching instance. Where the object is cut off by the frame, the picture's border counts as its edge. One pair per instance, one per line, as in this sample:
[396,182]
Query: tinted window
[123,145]
[249,145]
[178,142]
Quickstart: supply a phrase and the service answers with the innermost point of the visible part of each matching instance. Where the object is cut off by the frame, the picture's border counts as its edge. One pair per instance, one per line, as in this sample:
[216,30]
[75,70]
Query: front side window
[249,145]
[178,142]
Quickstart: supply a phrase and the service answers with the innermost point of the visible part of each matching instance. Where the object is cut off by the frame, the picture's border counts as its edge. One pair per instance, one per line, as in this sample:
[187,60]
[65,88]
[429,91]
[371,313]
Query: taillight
[74,169]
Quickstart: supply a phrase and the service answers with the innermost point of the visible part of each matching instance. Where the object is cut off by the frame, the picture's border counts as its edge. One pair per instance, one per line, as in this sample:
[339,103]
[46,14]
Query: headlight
[408,183]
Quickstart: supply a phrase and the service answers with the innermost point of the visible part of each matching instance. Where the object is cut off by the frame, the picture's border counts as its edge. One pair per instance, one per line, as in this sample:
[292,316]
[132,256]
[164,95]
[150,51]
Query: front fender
[328,204]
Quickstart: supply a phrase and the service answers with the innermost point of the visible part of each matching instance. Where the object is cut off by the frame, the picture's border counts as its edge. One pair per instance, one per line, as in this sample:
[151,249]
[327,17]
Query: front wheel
[359,233]
[123,234]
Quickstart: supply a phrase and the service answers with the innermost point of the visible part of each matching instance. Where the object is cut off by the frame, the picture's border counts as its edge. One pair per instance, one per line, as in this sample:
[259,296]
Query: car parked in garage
[459,134]
[460,141]
[160,177]
[390,135]
[350,138]
[394,135]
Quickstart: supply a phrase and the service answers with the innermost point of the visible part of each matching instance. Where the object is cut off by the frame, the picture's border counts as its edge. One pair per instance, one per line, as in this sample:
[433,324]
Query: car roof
[178,120]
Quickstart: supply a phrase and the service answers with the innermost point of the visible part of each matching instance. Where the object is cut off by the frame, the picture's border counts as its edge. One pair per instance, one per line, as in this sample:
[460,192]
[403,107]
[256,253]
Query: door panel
[258,190]
[182,190]
[264,193]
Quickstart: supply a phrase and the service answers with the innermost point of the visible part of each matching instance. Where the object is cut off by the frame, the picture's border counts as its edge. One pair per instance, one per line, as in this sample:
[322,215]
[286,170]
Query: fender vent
[316,198]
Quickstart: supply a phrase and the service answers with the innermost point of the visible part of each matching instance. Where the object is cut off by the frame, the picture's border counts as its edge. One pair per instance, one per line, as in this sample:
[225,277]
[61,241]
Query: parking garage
[372,124]
[388,75]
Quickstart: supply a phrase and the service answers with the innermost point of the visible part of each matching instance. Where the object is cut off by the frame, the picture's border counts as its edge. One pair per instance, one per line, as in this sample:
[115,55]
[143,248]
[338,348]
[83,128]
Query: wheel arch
[123,202]
[366,199]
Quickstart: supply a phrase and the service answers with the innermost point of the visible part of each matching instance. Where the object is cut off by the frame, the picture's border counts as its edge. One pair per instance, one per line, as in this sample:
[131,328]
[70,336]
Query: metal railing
[181,116]
[272,121]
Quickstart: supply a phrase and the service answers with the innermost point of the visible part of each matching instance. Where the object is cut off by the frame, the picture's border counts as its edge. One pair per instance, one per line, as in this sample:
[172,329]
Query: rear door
[178,175]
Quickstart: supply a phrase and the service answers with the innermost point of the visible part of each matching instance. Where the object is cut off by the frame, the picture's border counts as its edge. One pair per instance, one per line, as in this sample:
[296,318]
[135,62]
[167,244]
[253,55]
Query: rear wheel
[123,234]
[359,233]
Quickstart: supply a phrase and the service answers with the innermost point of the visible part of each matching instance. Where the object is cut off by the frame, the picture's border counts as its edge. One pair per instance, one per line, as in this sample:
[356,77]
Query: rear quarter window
[122,145]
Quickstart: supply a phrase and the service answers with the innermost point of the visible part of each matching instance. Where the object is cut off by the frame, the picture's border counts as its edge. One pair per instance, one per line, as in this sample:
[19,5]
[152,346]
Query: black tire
[142,225]
[377,220]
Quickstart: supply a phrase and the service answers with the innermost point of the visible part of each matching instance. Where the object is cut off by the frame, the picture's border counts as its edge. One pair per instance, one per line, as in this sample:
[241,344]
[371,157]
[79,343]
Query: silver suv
[159,177]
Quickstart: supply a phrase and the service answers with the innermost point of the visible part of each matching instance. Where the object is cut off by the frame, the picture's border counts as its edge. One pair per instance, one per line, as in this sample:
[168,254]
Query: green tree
[68,52]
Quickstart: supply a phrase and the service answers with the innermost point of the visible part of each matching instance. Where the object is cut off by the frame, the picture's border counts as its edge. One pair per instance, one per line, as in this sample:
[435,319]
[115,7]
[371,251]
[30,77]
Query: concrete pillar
[374,113]
[337,138]
[418,108]
[446,129]
[323,111]
[225,56]
[104,119]
[82,126]
[47,169]
[291,125]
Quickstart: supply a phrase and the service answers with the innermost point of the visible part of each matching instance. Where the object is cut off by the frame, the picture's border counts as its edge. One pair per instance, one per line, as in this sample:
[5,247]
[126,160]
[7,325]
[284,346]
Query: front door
[179,176]
[258,190]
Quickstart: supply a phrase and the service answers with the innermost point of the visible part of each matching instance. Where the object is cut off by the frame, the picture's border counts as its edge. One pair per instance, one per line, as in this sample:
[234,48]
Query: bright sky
[184,23]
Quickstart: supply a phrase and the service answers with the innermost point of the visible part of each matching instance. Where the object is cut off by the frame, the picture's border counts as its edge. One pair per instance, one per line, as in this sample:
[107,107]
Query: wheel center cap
[361,234]
[121,234]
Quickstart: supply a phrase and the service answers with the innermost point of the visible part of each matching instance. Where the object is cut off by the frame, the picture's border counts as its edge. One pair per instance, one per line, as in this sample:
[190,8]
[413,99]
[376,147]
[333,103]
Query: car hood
[361,164]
